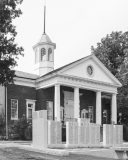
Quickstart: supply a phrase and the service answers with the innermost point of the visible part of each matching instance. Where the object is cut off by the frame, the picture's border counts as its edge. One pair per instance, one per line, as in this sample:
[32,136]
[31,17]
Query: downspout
[6,112]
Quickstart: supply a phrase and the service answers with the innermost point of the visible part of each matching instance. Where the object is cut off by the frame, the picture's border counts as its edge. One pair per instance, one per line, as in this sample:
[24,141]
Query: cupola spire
[44,14]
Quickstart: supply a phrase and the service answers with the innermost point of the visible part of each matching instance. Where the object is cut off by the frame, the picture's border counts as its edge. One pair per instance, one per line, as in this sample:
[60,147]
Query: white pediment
[100,72]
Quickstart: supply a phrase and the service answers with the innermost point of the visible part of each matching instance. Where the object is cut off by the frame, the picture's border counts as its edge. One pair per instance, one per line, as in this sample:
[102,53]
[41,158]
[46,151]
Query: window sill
[14,118]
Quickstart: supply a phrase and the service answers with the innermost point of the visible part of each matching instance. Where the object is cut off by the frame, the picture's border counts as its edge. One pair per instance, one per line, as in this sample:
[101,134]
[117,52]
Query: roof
[58,69]
[61,69]
[44,39]
[26,75]
[34,76]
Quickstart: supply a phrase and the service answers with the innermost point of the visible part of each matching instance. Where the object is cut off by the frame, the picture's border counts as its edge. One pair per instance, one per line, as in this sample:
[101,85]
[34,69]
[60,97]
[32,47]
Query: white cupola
[44,55]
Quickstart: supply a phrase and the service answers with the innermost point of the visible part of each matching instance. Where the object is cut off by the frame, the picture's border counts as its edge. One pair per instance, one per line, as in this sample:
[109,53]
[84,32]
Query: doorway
[68,106]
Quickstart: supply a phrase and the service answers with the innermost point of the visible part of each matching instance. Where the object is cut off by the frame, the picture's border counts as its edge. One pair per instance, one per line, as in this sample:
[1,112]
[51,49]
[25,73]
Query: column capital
[114,94]
[76,87]
[98,91]
[57,85]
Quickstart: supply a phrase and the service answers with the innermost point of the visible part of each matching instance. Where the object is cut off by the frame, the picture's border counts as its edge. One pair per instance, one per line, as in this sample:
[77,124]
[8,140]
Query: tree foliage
[9,50]
[111,52]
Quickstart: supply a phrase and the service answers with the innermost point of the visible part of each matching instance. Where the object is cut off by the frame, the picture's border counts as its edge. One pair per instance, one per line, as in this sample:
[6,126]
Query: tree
[9,50]
[111,51]
[112,54]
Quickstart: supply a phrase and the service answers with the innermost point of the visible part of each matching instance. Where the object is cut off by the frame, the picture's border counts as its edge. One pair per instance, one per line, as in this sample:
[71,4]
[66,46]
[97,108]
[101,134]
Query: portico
[75,96]
[76,105]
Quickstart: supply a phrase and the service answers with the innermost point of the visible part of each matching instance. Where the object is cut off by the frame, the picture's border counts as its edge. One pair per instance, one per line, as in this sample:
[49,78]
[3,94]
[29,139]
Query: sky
[74,25]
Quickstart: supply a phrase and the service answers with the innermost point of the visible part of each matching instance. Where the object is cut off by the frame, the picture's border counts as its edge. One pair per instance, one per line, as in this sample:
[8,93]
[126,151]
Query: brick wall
[42,96]
[21,93]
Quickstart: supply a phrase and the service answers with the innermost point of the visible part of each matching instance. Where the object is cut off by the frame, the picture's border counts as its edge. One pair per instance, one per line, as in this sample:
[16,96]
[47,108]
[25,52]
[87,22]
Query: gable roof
[60,68]
[70,65]
[58,71]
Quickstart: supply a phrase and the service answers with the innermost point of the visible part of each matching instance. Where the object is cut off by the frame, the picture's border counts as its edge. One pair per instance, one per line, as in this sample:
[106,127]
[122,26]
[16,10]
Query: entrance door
[50,110]
[69,110]
[68,106]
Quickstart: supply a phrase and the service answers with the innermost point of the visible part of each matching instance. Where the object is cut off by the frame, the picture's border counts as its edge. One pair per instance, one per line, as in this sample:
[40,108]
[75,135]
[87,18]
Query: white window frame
[30,101]
[12,118]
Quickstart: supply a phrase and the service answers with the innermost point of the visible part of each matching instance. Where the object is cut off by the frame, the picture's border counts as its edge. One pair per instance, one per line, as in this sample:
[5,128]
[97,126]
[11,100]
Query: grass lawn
[15,153]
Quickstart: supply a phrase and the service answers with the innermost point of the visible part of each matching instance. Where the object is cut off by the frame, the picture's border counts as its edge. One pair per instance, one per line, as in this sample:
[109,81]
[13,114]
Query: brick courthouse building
[84,88]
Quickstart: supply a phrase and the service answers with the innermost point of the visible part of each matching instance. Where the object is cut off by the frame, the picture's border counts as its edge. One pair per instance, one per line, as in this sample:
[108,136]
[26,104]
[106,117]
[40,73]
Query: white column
[57,102]
[98,107]
[76,102]
[114,109]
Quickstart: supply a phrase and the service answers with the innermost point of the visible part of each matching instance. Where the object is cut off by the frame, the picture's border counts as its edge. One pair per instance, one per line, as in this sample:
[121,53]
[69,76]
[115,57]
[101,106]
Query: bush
[2,126]
[28,133]
[22,129]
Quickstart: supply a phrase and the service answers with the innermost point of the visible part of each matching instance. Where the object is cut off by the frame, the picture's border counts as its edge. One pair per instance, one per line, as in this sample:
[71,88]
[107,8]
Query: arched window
[43,54]
[50,58]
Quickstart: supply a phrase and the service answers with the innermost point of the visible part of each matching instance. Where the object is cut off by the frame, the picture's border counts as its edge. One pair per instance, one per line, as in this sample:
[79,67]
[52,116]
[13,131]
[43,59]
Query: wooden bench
[121,153]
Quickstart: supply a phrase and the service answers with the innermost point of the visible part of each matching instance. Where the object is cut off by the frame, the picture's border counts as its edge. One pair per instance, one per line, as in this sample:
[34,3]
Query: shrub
[28,132]
[22,128]
[2,125]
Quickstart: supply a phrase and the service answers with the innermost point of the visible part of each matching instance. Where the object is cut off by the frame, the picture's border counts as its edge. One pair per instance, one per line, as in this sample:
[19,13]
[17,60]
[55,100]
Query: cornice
[67,80]
[72,81]
[87,80]
[24,82]
[44,78]
[87,84]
